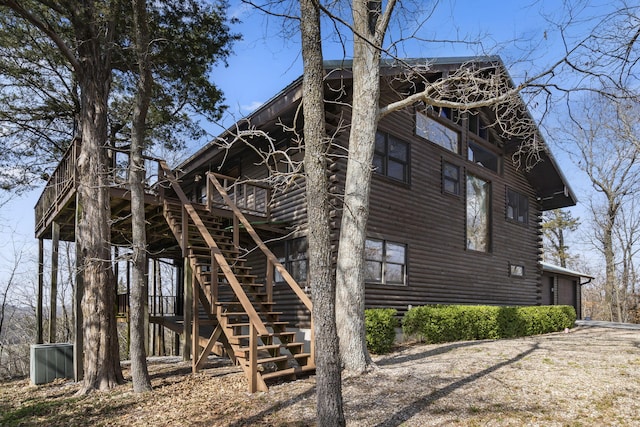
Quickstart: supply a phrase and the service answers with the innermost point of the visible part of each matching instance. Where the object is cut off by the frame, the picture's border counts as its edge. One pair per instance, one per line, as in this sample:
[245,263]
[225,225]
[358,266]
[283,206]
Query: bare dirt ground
[588,377]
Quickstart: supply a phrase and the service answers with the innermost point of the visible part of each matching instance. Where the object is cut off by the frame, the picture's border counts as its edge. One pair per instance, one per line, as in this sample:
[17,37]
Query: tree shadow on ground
[401,358]
[255,419]
[418,405]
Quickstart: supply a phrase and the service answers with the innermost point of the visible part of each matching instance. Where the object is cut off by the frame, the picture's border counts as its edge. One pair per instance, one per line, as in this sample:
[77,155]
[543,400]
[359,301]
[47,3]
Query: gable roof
[545,176]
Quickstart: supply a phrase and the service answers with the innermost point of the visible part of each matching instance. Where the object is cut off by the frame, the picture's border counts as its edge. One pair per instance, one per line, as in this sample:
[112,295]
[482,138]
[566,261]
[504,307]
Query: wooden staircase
[236,311]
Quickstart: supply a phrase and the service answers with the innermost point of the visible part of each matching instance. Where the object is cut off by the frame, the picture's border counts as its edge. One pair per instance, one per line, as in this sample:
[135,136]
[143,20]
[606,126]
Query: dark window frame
[488,246]
[456,182]
[478,154]
[383,158]
[516,207]
[385,263]
[516,270]
[438,121]
[285,252]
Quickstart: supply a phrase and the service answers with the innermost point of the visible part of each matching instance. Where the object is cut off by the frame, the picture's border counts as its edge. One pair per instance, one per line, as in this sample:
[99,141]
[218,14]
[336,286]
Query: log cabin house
[452,220]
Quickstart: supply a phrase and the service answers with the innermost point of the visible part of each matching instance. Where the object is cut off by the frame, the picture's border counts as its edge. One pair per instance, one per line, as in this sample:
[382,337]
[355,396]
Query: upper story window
[391,157]
[478,126]
[483,157]
[450,178]
[292,254]
[478,214]
[436,132]
[517,206]
[385,262]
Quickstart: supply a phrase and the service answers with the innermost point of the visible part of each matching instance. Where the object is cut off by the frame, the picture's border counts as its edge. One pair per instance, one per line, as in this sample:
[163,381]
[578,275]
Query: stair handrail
[254,318]
[295,287]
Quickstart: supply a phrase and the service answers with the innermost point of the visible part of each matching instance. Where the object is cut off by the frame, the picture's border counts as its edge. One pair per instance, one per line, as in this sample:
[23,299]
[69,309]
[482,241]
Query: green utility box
[51,361]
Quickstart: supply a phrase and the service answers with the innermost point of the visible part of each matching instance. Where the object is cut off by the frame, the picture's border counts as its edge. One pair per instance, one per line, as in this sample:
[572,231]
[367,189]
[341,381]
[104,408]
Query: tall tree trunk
[93,68]
[101,360]
[609,259]
[350,267]
[327,356]
[139,288]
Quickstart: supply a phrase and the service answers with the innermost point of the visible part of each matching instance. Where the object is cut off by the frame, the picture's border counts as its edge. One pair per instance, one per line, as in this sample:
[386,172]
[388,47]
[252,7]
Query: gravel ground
[588,377]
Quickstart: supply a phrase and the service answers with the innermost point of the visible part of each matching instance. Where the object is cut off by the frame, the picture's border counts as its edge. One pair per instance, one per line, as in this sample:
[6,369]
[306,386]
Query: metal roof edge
[552,268]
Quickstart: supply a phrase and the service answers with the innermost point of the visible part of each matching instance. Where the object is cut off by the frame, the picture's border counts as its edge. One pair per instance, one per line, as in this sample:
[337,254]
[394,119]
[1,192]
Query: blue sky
[268,58]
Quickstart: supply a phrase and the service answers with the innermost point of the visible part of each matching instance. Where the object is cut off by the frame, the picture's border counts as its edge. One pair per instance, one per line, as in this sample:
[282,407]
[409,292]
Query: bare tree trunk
[609,259]
[327,356]
[364,122]
[102,356]
[102,361]
[139,288]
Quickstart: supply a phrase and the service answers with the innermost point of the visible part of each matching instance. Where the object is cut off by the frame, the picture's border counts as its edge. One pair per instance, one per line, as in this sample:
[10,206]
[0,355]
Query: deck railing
[251,198]
[63,182]
[216,184]
[59,185]
[158,305]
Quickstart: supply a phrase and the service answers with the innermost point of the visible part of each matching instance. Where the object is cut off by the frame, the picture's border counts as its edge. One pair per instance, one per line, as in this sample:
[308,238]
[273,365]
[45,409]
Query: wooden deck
[226,308]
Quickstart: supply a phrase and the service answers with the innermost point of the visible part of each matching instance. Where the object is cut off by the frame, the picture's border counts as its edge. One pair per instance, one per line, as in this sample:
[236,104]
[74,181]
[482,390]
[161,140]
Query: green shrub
[446,323]
[380,325]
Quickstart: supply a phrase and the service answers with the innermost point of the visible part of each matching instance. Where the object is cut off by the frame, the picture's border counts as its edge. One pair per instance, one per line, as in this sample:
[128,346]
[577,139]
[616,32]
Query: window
[516,270]
[478,214]
[450,178]
[292,254]
[436,132]
[483,157]
[385,262]
[517,206]
[391,157]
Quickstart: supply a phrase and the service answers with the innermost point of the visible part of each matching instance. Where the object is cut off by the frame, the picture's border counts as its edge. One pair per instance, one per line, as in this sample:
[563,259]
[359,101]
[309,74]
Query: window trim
[420,132]
[482,148]
[520,198]
[286,260]
[386,157]
[513,270]
[489,227]
[445,178]
[384,262]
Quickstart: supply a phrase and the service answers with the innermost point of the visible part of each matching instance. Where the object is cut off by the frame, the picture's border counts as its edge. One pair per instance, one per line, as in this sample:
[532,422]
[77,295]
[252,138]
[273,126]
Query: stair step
[237,338]
[243,352]
[246,324]
[239,304]
[242,313]
[206,250]
[284,358]
[287,372]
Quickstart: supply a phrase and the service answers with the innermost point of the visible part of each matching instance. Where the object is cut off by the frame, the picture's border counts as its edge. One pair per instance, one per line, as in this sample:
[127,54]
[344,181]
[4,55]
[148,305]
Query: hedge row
[446,323]
[380,325]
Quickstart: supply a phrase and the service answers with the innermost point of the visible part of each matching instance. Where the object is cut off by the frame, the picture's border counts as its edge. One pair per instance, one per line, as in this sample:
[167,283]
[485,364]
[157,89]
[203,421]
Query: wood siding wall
[432,225]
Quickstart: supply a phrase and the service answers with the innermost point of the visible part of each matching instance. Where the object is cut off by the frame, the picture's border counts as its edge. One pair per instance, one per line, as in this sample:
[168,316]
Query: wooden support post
[53,302]
[145,308]
[128,307]
[236,232]
[269,284]
[253,359]
[195,331]
[188,303]
[78,344]
[185,232]
[39,328]
[161,343]
[214,283]
[154,309]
